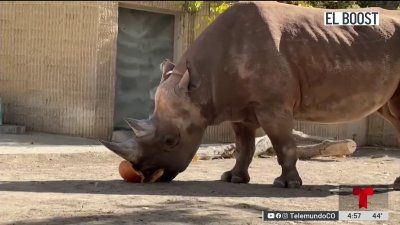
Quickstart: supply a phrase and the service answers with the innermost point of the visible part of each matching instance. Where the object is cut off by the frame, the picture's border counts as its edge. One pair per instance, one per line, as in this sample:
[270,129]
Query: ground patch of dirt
[85,188]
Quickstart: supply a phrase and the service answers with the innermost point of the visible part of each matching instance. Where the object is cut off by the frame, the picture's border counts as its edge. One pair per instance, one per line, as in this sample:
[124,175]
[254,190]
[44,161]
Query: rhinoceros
[265,65]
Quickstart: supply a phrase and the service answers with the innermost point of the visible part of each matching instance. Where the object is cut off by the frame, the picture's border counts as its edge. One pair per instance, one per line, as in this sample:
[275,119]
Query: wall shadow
[378,152]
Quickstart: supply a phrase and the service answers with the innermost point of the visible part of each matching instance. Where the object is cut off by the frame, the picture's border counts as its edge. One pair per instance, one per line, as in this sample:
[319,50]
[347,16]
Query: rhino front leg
[244,152]
[278,126]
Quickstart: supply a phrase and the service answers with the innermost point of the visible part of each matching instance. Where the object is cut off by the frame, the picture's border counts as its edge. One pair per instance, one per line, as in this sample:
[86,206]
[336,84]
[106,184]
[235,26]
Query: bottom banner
[363,215]
[300,215]
[324,215]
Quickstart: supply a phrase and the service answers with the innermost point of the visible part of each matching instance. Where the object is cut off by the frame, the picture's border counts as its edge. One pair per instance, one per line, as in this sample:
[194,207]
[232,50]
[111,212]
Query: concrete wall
[57,61]
[380,132]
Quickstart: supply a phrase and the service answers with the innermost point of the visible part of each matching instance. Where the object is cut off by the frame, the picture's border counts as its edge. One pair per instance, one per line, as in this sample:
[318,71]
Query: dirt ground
[56,183]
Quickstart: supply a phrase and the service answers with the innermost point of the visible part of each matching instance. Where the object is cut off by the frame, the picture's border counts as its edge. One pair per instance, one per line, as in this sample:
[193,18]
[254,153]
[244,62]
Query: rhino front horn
[127,150]
[140,127]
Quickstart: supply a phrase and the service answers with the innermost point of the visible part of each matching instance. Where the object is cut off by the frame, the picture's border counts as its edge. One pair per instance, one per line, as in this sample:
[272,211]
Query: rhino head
[171,136]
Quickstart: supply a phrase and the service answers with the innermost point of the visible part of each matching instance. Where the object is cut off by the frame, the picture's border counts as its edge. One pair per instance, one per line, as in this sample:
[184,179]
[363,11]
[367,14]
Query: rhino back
[353,70]
[272,53]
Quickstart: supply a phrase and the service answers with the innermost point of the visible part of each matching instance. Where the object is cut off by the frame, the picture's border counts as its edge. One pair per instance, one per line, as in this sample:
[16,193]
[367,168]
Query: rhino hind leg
[244,152]
[391,112]
[279,128]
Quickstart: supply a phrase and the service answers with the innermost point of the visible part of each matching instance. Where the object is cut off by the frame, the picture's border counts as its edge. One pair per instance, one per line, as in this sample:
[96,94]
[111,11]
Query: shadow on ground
[376,152]
[183,212]
[180,188]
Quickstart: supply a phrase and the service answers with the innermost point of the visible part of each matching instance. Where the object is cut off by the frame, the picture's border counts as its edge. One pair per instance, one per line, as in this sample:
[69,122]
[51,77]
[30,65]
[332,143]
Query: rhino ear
[165,67]
[189,81]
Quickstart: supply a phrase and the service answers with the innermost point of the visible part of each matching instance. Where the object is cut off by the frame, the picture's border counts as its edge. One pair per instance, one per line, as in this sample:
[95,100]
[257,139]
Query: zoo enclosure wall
[57,69]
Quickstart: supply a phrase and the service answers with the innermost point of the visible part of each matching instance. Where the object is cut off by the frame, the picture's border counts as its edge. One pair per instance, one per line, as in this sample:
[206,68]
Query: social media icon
[278,215]
[285,216]
[271,215]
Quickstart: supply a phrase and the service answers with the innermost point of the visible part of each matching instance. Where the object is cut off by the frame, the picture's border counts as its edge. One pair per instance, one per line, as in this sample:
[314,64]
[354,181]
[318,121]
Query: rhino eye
[171,141]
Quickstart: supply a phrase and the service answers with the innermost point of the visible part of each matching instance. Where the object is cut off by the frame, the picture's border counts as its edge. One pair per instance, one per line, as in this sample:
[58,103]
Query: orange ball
[127,172]
[195,158]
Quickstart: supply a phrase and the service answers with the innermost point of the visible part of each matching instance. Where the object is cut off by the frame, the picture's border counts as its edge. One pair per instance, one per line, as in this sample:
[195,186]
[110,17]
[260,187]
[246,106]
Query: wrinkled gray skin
[265,65]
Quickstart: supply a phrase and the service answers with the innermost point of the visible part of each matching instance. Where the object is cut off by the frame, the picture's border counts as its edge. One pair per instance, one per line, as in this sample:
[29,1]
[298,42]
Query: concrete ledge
[11,129]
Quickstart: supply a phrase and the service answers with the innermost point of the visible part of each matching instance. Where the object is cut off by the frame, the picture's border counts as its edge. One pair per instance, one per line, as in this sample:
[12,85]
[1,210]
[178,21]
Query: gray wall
[145,39]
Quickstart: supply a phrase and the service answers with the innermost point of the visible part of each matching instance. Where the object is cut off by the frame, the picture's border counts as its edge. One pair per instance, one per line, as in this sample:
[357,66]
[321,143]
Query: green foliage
[218,7]
[325,4]
[383,4]
[346,4]
[192,6]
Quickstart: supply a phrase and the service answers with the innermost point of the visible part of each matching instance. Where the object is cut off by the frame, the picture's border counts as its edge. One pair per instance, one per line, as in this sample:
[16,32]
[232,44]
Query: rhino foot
[235,177]
[288,180]
[396,184]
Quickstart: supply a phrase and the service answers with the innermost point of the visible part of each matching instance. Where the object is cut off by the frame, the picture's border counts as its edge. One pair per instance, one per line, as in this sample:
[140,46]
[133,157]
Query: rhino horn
[140,127]
[127,150]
